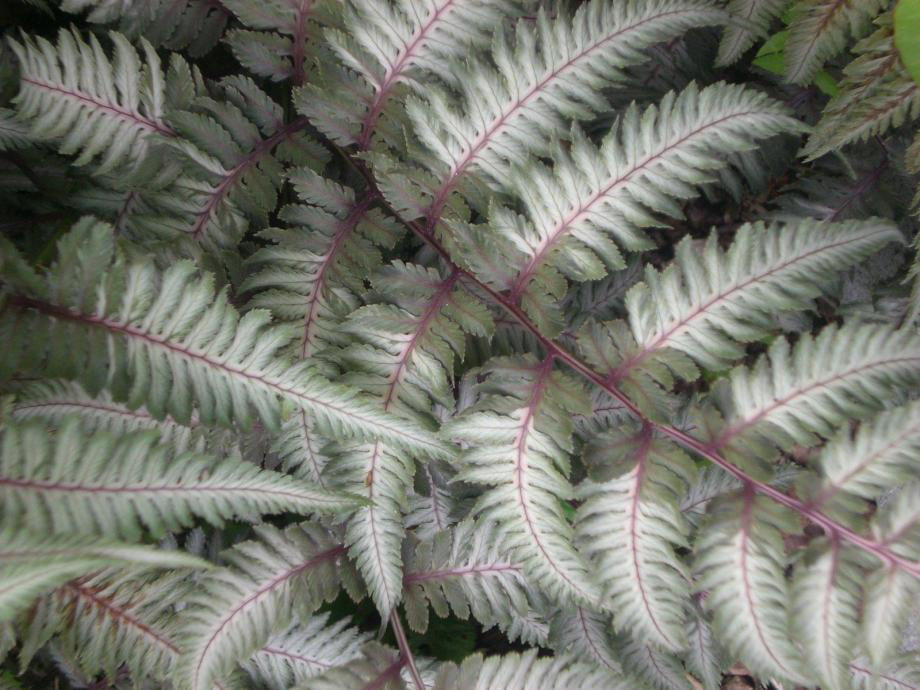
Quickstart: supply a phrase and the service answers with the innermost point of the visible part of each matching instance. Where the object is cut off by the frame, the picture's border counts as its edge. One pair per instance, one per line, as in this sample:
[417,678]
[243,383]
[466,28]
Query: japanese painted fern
[322,316]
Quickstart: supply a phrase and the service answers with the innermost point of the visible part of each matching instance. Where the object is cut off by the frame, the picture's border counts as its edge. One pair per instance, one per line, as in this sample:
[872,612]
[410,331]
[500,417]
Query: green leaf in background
[907,35]
[770,58]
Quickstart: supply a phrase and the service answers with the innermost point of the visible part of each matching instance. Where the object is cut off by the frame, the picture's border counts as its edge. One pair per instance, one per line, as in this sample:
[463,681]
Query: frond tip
[70,481]
[709,302]
[107,112]
[31,564]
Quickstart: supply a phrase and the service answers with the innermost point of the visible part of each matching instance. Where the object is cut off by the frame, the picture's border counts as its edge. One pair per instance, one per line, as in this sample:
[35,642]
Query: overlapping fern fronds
[422,309]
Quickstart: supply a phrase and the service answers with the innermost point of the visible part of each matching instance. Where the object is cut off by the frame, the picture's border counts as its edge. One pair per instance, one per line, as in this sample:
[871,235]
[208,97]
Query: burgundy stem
[404,652]
[298,47]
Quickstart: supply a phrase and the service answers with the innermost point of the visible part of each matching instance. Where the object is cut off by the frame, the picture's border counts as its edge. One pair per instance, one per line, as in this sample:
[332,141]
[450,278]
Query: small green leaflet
[907,35]
[771,58]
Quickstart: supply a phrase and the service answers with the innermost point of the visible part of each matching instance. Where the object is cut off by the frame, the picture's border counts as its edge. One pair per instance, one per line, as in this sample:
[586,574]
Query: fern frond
[598,199]
[432,506]
[651,666]
[814,387]
[889,591]
[464,570]
[749,21]
[236,609]
[902,674]
[108,112]
[55,400]
[819,30]
[525,671]
[876,94]
[301,450]
[374,534]
[276,43]
[600,300]
[167,342]
[311,276]
[123,486]
[195,25]
[585,634]
[826,599]
[711,482]
[395,44]
[312,273]
[740,564]
[32,564]
[867,464]
[303,651]
[516,109]
[111,619]
[378,667]
[234,143]
[710,302]
[630,525]
[406,349]
[703,656]
[519,437]
[403,354]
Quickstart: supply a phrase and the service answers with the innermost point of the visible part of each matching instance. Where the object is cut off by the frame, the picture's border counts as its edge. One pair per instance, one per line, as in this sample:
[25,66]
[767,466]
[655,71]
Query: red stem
[404,652]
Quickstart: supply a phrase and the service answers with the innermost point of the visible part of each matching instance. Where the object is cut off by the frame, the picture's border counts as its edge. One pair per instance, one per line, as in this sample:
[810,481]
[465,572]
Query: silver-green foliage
[415,311]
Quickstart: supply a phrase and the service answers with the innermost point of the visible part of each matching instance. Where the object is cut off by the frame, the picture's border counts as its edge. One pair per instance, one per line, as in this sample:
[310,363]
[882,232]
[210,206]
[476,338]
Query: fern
[195,25]
[828,626]
[519,445]
[464,572]
[388,46]
[751,20]
[162,324]
[595,196]
[312,275]
[33,565]
[537,92]
[524,671]
[876,94]
[276,42]
[636,513]
[707,304]
[403,354]
[108,112]
[237,608]
[117,486]
[107,617]
[13,133]
[377,666]
[234,144]
[740,565]
[841,373]
[55,401]
[819,32]
[868,463]
[304,651]
[579,338]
